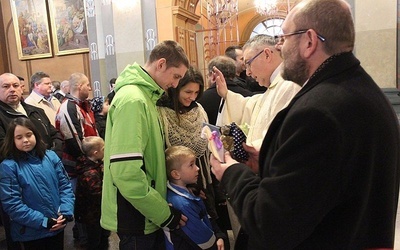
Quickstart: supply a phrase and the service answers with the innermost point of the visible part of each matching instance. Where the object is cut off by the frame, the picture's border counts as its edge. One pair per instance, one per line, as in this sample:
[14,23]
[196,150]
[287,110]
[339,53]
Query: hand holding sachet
[214,142]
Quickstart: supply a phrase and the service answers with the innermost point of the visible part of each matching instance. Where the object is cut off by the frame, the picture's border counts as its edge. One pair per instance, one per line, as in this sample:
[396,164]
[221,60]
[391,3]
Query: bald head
[10,89]
[331,19]
[314,30]
[79,86]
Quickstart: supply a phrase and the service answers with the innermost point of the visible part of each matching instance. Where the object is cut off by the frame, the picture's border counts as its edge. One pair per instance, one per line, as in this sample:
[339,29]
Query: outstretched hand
[219,168]
[220,82]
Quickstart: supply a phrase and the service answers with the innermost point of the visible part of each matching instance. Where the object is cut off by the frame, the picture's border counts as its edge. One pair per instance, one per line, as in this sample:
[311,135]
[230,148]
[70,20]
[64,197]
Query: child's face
[189,171]
[105,107]
[24,139]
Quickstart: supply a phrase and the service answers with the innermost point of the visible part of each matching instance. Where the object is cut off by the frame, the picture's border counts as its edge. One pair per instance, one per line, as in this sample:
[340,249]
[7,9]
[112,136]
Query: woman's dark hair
[112,81]
[192,75]
[171,97]
[9,150]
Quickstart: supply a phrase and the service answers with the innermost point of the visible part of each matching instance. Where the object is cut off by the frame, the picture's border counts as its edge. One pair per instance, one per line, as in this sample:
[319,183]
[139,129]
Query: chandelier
[271,7]
[223,10]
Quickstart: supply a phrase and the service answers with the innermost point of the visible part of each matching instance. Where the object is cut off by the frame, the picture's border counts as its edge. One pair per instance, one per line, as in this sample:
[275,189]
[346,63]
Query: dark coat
[88,191]
[59,96]
[329,168]
[101,124]
[250,83]
[110,96]
[211,100]
[49,133]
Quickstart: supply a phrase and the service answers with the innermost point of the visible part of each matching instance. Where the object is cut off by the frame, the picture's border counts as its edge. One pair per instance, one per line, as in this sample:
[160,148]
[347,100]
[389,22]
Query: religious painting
[31,27]
[69,27]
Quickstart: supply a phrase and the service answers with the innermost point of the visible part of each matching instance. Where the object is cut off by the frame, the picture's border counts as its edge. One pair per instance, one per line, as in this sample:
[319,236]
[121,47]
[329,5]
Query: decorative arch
[254,21]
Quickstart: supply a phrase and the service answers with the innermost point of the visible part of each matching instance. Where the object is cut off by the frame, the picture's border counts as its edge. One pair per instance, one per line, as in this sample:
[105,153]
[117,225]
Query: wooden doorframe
[4,66]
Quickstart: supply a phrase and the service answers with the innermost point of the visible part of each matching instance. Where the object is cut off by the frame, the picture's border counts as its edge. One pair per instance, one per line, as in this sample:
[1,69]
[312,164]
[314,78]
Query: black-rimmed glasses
[282,37]
[247,64]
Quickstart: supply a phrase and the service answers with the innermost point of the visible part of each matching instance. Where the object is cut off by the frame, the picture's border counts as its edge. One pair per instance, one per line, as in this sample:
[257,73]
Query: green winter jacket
[134,185]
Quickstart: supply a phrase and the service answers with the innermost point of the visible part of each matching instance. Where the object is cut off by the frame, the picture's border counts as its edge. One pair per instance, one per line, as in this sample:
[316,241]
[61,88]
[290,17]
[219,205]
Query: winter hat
[97,104]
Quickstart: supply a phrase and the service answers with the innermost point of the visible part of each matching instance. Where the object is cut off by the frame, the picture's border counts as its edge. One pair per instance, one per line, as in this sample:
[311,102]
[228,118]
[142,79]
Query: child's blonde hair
[174,156]
[91,143]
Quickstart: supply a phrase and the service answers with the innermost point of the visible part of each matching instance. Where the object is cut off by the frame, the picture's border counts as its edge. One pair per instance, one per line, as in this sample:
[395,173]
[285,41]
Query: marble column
[120,32]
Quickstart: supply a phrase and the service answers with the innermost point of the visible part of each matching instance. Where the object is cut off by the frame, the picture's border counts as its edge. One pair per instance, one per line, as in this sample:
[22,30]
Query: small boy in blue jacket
[199,232]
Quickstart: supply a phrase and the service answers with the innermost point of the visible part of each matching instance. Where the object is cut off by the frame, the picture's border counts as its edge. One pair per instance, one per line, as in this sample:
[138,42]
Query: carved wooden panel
[180,37]
[192,47]
[192,5]
[181,3]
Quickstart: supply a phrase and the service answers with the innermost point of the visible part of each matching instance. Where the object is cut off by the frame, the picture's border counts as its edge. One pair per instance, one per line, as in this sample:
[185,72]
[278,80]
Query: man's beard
[295,69]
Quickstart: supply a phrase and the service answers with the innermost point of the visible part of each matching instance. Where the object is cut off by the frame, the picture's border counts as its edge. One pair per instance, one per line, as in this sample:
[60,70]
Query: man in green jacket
[134,185]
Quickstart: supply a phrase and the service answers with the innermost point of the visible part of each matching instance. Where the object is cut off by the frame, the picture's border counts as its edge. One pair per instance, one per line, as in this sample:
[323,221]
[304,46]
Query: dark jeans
[154,241]
[11,245]
[97,237]
[55,242]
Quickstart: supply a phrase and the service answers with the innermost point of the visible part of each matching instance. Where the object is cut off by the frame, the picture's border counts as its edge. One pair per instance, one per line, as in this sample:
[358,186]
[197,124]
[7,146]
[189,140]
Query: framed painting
[31,27]
[69,28]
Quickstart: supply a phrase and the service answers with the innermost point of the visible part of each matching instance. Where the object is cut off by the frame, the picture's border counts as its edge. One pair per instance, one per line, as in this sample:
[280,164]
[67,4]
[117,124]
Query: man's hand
[220,82]
[219,168]
[254,154]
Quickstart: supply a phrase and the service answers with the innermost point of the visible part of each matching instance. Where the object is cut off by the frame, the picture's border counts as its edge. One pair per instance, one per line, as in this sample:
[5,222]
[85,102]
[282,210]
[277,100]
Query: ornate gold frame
[31,28]
[69,26]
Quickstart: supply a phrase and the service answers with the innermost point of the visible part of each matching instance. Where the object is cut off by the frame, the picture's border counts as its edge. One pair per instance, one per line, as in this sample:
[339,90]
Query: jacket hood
[134,74]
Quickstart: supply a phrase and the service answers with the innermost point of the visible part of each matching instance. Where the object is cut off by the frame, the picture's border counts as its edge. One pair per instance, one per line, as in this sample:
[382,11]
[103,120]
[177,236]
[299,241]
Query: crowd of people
[322,142]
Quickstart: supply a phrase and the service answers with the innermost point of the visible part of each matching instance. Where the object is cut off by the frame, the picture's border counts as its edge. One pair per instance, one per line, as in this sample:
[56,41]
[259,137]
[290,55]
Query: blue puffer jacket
[32,190]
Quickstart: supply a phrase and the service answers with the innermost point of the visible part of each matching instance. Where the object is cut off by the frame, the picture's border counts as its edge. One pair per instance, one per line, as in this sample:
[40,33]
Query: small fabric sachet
[238,138]
[233,138]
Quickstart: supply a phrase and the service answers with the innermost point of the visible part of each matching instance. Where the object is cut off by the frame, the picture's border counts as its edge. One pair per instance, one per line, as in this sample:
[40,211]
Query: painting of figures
[69,28]
[31,27]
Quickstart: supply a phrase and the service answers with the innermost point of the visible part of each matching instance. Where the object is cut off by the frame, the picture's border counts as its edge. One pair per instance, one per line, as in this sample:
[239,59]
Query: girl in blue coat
[34,188]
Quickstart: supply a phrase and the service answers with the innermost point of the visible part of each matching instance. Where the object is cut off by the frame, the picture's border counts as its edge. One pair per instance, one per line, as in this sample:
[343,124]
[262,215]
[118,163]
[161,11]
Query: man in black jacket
[12,107]
[329,164]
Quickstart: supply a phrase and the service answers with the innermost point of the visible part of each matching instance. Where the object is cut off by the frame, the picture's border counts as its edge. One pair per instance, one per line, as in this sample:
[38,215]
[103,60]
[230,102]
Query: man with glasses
[263,63]
[242,79]
[329,164]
